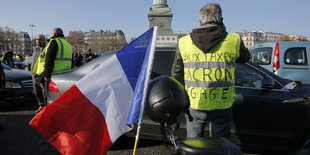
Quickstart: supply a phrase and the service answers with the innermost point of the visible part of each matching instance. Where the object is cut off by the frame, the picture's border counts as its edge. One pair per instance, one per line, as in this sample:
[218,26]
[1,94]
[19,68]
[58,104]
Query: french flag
[90,116]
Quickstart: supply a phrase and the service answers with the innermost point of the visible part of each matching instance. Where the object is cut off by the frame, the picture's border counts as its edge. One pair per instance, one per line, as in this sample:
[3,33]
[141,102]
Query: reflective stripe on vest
[63,59]
[209,77]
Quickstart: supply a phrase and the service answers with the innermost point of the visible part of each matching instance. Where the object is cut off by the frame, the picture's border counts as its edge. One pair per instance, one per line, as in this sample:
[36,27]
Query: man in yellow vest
[55,57]
[204,63]
[8,59]
[37,80]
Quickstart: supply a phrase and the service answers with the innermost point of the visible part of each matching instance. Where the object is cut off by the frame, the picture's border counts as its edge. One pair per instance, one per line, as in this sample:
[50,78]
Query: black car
[261,121]
[19,85]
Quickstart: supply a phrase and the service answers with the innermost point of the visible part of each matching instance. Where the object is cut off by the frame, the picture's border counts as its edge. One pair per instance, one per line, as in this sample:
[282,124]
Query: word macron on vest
[209,77]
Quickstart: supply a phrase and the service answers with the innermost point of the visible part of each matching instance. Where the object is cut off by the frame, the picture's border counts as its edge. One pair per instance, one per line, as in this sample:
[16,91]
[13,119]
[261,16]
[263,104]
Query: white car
[289,60]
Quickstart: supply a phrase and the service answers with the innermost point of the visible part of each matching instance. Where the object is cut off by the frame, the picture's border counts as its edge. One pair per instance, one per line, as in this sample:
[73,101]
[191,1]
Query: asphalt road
[18,137]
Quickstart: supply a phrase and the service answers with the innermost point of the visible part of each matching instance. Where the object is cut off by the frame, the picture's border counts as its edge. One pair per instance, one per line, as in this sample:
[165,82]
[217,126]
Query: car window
[295,56]
[16,60]
[261,56]
[163,62]
[248,76]
[5,66]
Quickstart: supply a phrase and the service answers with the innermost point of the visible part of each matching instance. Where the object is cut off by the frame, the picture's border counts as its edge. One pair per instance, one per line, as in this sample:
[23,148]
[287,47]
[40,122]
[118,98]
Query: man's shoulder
[234,34]
[56,38]
[186,37]
[53,42]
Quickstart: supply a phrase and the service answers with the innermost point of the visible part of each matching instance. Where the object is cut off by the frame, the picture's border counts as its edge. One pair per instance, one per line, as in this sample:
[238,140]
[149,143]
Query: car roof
[91,65]
[288,43]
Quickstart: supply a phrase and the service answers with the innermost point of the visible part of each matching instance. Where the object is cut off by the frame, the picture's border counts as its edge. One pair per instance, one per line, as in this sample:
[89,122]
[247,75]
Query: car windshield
[261,56]
[163,61]
[247,76]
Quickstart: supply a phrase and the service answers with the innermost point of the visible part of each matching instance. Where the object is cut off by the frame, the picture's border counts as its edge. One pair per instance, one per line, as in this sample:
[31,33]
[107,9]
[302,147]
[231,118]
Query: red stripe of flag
[73,125]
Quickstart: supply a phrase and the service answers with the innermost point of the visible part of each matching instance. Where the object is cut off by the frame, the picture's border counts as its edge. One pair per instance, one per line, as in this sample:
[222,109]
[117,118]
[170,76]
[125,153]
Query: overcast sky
[284,16]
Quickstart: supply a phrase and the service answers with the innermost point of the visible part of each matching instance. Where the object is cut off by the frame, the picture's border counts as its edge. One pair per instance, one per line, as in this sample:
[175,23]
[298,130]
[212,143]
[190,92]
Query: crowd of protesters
[78,59]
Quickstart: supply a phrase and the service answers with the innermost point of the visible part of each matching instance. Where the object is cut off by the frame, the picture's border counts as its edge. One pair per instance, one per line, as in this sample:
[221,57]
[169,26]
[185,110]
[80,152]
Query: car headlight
[12,85]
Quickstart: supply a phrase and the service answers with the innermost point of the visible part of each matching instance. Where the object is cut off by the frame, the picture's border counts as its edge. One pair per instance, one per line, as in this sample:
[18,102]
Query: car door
[295,64]
[259,116]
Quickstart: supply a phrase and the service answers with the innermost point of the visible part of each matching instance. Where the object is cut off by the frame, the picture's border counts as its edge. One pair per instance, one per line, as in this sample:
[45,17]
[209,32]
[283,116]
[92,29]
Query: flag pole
[137,140]
[148,75]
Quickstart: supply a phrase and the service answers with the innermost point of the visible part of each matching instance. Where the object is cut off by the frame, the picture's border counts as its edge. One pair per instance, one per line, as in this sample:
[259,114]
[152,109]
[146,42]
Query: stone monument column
[160,2]
[161,15]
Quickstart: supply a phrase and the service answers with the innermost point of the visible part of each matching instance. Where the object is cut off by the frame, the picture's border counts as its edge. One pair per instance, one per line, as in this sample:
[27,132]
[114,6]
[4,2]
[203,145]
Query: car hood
[17,75]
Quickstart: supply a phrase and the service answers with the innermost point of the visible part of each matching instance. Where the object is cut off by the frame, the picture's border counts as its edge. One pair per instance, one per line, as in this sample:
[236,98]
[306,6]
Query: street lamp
[32,26]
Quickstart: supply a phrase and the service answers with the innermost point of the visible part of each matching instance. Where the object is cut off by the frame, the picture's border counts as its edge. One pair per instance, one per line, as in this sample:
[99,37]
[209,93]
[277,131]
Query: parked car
[261,121]
[60,82]
[18,85]
[286,59]
[17,63]
[27,64]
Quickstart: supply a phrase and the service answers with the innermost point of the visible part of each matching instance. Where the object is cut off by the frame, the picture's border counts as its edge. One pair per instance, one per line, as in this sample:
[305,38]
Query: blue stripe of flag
[134,60]
[132,57]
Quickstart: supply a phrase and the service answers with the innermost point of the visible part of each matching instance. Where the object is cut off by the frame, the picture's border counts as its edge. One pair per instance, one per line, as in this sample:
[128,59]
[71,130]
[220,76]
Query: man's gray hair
[58,31]
[211,13]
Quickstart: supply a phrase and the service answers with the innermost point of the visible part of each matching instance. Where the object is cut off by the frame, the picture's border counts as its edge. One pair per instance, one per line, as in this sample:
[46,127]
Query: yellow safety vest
[63,59]
[209,77]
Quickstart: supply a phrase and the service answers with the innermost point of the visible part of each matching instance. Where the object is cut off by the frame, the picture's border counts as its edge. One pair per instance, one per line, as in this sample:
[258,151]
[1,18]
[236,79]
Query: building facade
[251,38]
[25,44]
[19,43]
[92,34]
[103,41]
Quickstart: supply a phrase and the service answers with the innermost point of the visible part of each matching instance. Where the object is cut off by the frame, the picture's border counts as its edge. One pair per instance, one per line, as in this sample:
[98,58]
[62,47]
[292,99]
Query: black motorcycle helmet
[166,100]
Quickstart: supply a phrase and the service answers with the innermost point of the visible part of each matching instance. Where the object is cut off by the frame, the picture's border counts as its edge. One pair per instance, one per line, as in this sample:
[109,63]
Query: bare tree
[302,39]
[293,38]
[284,38]
[10,40]
[76,39]
[2,41]
[97,43]
[103,42]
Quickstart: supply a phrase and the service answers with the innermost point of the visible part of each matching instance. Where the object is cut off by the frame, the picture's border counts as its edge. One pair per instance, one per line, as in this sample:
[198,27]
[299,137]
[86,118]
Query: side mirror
[268,82]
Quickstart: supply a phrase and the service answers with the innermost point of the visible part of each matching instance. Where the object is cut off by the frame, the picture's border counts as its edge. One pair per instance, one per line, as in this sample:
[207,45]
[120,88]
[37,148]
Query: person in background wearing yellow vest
[8,59]
[204,63]
[20,57]
[37,84]
[55,57]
